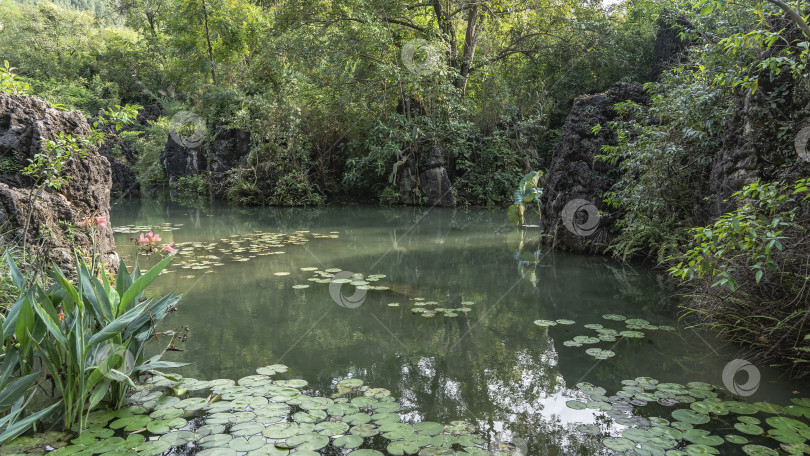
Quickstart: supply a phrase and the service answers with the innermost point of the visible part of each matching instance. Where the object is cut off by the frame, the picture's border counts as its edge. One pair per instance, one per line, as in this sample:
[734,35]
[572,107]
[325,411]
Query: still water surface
[491,366]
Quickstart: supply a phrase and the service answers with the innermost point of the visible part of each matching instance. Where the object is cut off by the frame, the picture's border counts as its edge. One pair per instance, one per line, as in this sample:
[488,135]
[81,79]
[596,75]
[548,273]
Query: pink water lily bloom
[170,248]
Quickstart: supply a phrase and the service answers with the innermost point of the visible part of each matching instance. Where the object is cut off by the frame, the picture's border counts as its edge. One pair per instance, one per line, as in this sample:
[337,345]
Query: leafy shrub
[88,337]
[148,145]
[748,271]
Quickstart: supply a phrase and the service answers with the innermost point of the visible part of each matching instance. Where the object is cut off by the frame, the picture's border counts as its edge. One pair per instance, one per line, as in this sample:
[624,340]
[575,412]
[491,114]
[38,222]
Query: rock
[24,121]
[226,151]
[575,174]
[182,161]
[433,186]
[670,49]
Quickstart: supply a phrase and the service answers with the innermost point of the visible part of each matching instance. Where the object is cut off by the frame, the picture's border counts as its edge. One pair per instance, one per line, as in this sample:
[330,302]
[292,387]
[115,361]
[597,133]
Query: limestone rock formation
[575,174]
[24,122]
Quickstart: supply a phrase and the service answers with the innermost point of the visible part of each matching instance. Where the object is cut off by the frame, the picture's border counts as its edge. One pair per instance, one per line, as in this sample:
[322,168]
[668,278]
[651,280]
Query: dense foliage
[339,98]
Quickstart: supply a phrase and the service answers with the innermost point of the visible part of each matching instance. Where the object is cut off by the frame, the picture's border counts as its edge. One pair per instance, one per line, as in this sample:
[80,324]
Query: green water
[491,366]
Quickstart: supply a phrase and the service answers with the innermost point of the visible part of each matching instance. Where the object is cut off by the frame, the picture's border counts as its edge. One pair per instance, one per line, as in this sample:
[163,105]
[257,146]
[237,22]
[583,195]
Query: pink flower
[143,240]
[93,221]
[169,248]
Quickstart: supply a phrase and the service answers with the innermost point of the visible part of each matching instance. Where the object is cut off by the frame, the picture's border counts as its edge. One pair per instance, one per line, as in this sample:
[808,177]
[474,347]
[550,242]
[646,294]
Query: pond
[438,306]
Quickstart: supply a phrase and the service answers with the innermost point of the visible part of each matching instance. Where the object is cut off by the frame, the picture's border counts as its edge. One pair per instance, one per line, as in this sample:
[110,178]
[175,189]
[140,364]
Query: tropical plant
[747,271]
[89,337]
[527,195]
[13,402]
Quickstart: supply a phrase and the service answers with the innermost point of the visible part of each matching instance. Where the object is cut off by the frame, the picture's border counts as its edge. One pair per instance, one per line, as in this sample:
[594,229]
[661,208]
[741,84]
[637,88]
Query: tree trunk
[470,42]
[208,39]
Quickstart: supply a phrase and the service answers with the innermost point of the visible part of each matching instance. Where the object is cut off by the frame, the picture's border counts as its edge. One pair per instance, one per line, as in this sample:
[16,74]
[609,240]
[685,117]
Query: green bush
[87,337]
[748,271]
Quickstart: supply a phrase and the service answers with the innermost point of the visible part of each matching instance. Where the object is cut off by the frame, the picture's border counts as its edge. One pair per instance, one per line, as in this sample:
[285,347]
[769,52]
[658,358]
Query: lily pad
[348,441]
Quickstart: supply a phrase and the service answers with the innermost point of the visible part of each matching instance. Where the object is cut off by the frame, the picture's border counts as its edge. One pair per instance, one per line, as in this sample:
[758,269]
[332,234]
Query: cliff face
[24,122]
[576,175]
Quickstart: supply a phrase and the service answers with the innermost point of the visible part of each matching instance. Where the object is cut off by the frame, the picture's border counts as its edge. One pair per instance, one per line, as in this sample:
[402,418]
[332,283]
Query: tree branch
[797,18]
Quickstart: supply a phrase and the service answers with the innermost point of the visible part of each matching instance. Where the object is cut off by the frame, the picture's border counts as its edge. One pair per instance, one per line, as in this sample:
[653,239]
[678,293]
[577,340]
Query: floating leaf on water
[759,450]
[281,273]
[586,339]
[741,408]
[738,439]
[348,441]
[300,287]
[308,269]
[428,428]
[599,353]
[702,437]
[365,430]
[152,448]
[747,428]
[247,443]
[309,441]
[332,270]
[357,418]
[632,334]
[545,323]
[590,429]
[565,322]
[614,317]
[619,444]
[796,449]
[393,304]
[402,448]
[594,326]
[690,416]
[700,450]
[377,392]
[576,405]
[767,407]
[365,453]
[217,452]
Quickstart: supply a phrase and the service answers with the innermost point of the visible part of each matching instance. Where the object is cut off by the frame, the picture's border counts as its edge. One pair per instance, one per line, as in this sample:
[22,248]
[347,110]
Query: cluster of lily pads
[358,280]
[237,248]
[430,309]
[257,416]
[135,229]
[603,334]
[759,428]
